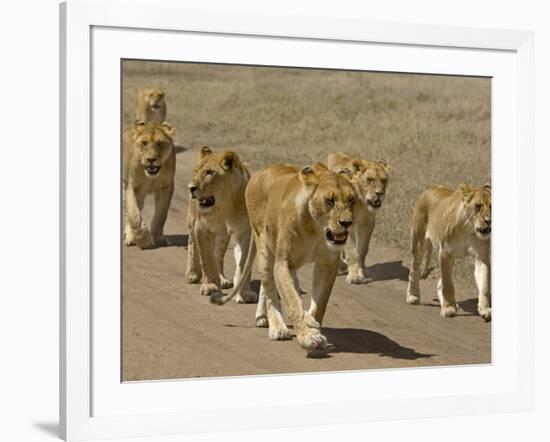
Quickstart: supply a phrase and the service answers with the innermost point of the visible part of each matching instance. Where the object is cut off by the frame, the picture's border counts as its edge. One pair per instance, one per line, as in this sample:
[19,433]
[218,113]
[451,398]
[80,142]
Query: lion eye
[478,207]
[209,172]
[143,143]
[330,201]
[160,145]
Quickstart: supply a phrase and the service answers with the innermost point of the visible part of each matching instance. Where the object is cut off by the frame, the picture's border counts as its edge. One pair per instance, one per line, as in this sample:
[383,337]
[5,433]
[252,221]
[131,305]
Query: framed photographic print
[290,216]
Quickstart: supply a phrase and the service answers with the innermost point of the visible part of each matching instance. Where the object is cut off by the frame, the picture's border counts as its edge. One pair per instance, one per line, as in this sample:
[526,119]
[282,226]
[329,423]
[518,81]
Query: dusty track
[170,331]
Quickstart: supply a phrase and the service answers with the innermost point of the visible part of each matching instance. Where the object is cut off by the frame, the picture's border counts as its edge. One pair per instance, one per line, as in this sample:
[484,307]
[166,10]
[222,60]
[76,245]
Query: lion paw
[160,241]
[246,297]
[356,278]
[312,339]
[143,239]
[262,322]
[413,299]
[209,289]
[448,311]
[309,334]
[485,313]
[279,333]
[225,283]
[193,277]
[129,236]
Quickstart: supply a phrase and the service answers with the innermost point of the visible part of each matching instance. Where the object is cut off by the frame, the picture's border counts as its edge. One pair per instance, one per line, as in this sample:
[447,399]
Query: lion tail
[244,277]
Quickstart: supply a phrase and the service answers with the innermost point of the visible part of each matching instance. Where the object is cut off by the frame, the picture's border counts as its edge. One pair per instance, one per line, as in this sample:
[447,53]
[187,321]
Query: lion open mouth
[156,106]
[208,201]
[336,239]
[152,170]
[484,231]
[375,204]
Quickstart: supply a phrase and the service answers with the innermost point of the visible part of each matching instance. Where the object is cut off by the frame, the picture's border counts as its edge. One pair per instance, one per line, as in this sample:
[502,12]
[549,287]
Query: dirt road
[170,331]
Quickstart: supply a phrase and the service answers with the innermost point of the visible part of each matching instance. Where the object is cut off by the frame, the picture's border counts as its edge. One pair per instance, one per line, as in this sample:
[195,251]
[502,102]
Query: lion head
[477,208]
[215,177]
[154,143]
[154,98]
[370,179]
[330,204]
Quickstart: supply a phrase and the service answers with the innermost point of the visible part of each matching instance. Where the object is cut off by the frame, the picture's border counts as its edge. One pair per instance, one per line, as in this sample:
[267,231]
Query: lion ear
[319,168]
[169,130]
[384,165]
[356,165]
[228,159]
[487,186]
[466,191]
[346,172]
[308,176]
[204,152]
[139,122]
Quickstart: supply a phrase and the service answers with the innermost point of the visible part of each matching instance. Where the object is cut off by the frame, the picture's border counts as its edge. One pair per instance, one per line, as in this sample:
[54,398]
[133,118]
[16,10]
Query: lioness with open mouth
[298,215]
[217,212]
[149,165]
[457,223]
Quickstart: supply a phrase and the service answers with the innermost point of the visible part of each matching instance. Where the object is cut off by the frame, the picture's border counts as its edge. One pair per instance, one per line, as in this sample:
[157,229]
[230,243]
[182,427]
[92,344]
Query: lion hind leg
[418,236]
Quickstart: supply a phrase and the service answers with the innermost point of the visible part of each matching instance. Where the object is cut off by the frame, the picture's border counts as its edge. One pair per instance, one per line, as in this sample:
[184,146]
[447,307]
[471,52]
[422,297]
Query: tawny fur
[151,105]
[223,177]
[370,179]
[147,145]
[455,224]
[295,215]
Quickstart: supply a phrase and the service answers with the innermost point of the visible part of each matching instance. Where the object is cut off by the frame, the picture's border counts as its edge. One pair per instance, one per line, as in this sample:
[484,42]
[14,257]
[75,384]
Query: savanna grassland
[431,129]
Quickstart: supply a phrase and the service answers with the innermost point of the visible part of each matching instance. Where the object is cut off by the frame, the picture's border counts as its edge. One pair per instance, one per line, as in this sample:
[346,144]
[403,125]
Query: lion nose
[379,193]
[151,160]
[488,221]
[192,188]
[345,224]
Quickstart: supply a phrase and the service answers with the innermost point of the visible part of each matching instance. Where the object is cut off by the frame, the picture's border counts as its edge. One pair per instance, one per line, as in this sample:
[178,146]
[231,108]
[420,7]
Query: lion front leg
[163,198]
[268,312]
[483,281]
[135,231]
[193,273]
[308,330]
[356,274]
[324,275]
[445,287]
[209,264]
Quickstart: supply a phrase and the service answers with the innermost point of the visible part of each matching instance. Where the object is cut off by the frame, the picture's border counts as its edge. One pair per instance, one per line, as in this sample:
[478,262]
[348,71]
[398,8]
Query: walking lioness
[457,223]
[298,215]
[151,105]
[217,211]
[149,164]
[370,179]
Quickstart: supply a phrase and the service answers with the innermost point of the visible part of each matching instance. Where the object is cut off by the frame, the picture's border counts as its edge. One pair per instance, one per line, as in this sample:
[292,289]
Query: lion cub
[149,166]
[216,212]
[151,105]
[457,223]
[370,179]
[298,215]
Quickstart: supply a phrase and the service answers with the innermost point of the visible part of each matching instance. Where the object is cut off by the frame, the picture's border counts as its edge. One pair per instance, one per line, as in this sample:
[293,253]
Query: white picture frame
[89,411]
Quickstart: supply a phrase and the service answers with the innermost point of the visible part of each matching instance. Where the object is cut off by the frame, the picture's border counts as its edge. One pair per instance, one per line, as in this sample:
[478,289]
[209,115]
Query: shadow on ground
[469,305]
[356,340]
[388,270]
[177,240]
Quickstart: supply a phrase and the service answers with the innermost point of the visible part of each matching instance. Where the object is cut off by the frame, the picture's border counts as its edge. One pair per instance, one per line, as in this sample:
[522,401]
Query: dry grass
[431,129]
